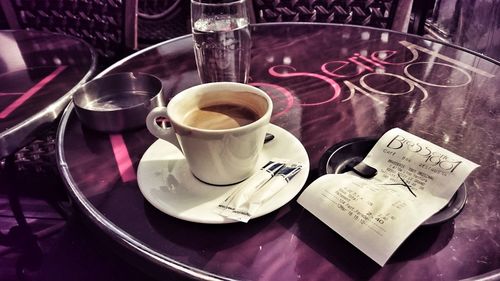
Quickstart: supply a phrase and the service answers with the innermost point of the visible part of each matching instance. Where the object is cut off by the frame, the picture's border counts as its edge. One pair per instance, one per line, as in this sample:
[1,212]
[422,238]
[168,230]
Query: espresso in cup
[220,128]
[221,116]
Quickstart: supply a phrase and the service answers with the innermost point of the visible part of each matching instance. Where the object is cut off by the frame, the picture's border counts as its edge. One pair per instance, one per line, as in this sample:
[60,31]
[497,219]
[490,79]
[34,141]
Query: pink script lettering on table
[333,84]
[283,91]
[366,66]
[28,94]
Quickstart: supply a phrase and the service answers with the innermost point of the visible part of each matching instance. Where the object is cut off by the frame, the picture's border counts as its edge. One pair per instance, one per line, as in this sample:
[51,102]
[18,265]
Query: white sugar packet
[244,202]
[415,180]
[272,187]
[231,207]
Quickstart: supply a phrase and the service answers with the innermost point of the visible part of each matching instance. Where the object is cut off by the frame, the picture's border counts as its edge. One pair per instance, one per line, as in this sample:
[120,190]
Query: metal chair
[389,14]
[474,25]
[110,26]
[160,20]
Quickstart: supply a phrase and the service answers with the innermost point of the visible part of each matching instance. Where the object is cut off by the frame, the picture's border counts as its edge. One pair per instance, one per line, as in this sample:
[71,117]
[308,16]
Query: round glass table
[329,83]
[39,71]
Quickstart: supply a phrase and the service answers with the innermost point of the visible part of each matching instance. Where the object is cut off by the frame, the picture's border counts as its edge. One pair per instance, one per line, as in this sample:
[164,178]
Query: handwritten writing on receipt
[415,179]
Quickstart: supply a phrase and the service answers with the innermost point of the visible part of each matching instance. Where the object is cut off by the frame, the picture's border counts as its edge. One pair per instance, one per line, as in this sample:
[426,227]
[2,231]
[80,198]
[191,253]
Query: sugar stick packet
[273,186]
[264,184]
[245,190]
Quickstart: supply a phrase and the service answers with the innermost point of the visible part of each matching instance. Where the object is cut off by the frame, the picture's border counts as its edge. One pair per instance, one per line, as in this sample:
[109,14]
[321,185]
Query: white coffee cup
[219,150]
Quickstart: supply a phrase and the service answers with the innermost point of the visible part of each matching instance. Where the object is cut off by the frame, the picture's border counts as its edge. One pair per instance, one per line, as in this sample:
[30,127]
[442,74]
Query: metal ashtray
[118,102]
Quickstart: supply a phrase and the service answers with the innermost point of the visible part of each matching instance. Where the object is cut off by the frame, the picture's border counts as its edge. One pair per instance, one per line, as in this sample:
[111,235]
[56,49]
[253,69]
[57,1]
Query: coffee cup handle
[154,128]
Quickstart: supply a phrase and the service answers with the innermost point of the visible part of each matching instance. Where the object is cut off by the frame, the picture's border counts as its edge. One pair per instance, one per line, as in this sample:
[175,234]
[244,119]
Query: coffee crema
[220,117]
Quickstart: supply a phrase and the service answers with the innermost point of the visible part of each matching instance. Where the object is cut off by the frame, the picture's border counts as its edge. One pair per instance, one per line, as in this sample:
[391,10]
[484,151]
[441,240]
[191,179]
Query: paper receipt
[415,179]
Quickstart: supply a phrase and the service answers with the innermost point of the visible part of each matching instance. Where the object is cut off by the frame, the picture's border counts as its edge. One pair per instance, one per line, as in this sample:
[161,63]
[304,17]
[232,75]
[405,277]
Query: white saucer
[166,182]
